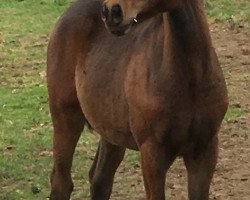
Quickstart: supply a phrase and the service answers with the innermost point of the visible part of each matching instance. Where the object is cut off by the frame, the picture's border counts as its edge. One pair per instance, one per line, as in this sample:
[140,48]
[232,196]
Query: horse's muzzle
[113,16]
[113,19]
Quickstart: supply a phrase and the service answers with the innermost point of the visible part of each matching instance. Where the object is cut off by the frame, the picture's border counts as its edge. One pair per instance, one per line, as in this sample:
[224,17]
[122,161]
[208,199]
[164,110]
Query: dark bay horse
[158,88]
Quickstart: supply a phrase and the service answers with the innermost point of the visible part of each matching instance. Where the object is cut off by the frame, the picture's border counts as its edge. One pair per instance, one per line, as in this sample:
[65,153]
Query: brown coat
[158,89]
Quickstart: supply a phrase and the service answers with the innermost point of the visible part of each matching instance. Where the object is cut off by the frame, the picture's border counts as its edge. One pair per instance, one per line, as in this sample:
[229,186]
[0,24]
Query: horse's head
[120,15]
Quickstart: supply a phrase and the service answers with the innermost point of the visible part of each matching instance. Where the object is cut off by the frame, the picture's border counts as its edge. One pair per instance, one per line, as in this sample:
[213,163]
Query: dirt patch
[232,177]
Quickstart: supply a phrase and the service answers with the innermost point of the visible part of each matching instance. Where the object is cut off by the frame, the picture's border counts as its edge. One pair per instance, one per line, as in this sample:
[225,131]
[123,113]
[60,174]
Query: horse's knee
[61,188]
[58,195]
[63,194]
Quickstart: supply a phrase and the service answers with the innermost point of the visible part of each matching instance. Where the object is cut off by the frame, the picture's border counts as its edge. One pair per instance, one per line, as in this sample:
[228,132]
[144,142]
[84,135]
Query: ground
[25,125]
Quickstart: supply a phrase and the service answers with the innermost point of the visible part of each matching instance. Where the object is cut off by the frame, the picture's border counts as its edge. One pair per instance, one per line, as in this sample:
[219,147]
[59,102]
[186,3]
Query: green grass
[25,125]
[234,113]
[236,12]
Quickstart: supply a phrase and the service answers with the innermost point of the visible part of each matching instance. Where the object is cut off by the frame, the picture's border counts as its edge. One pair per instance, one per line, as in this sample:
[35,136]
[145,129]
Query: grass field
[25,125]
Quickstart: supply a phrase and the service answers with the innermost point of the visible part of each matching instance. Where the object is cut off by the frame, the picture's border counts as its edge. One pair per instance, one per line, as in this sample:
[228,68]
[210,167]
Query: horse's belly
[105,108]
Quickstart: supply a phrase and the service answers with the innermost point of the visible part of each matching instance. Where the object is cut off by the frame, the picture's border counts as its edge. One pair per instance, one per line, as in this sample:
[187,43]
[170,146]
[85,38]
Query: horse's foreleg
[200,171]
[156,160]
[108,160]
[68,124]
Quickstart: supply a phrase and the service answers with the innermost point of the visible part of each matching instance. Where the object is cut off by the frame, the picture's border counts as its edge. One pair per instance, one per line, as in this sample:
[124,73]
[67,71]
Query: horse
[143,75]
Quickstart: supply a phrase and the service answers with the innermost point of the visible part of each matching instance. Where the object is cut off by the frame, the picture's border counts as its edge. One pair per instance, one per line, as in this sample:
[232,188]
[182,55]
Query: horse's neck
[187,38]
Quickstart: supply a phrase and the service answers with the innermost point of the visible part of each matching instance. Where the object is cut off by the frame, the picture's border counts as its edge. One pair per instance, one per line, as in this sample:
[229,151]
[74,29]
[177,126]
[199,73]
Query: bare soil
[232,177]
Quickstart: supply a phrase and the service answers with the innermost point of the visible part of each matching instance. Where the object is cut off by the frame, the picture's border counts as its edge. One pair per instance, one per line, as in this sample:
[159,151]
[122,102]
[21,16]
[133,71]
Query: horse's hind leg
[200,171]
[68,124]
[108,158]
[93,166]
[156,159]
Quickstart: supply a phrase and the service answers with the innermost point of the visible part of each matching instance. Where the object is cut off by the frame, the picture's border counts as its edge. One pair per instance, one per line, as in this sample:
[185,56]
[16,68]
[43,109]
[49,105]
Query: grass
[234,113]
[25,125]
[236,12]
